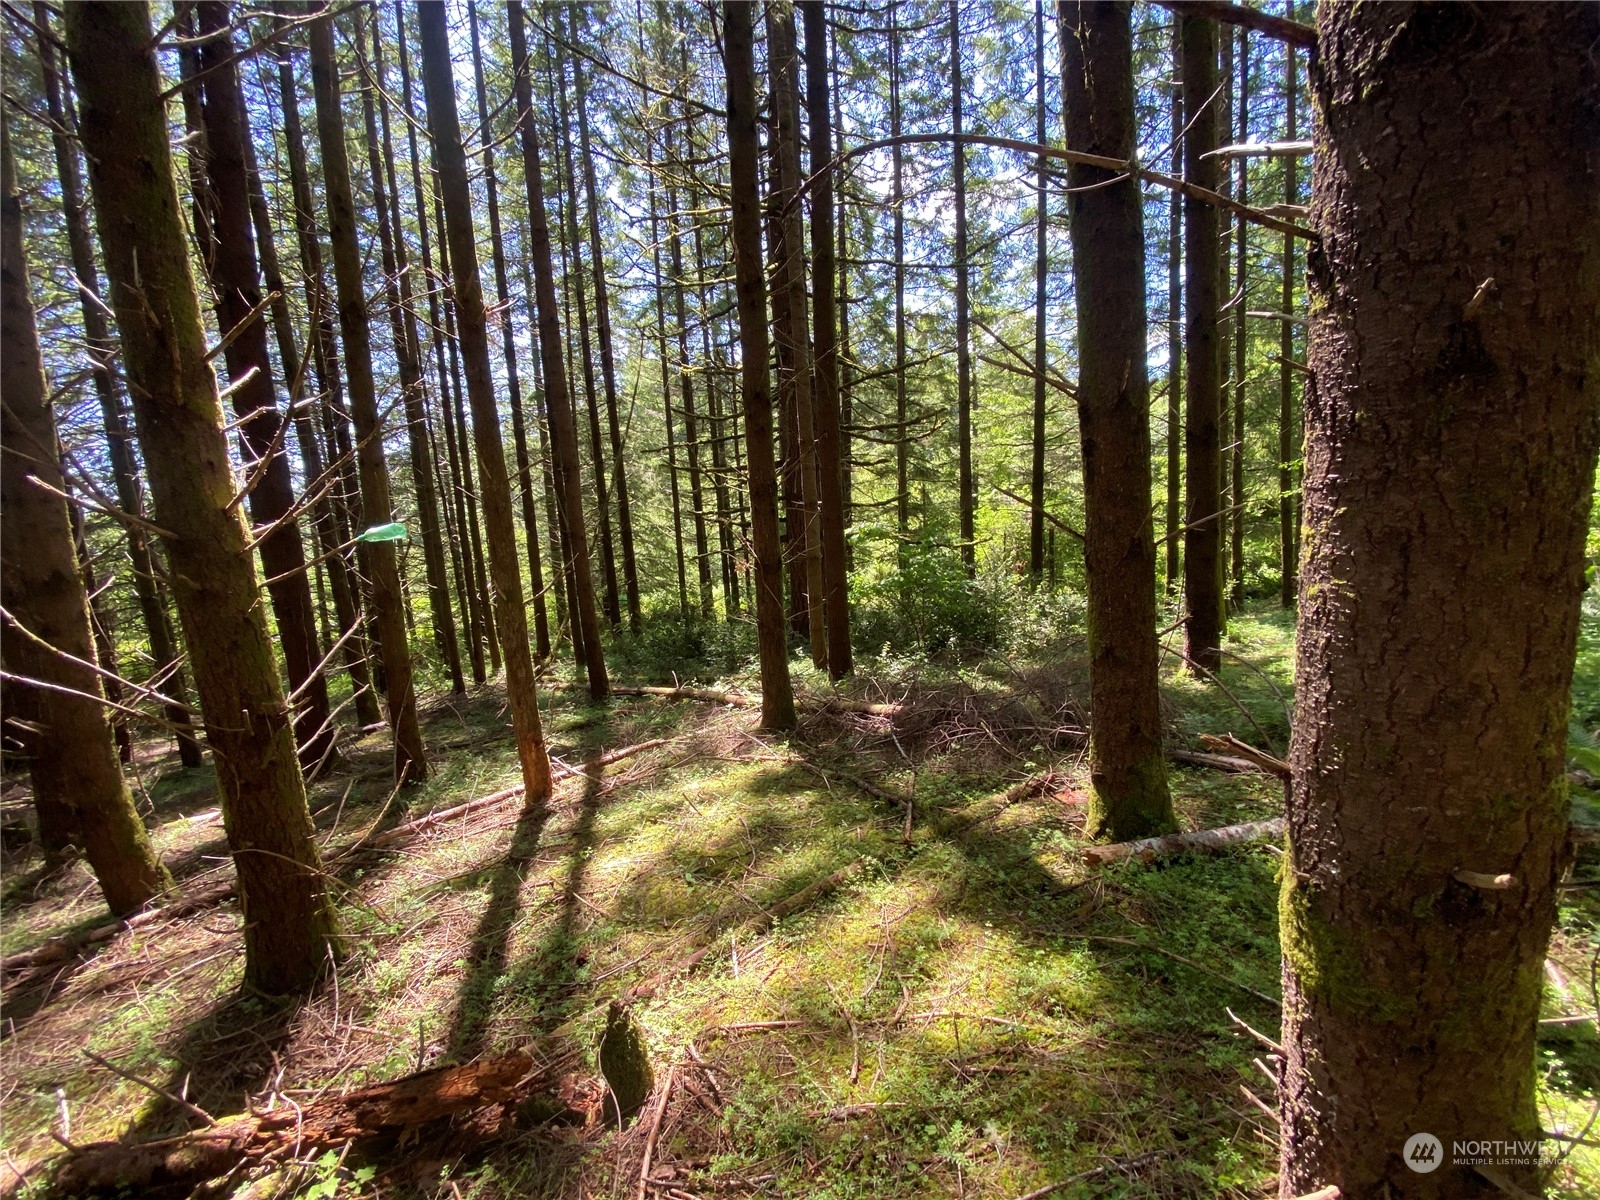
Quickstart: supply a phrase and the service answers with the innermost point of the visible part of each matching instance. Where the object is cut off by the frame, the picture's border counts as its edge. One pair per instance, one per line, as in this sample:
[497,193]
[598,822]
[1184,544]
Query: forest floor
[964,1010]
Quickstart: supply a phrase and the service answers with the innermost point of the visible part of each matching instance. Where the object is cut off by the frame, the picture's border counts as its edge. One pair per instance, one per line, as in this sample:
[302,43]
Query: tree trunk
[1041,267]
[408,358]
[73,751]
[454,510]
[578,290]
[504,561]
[1451,444]
[1287,554]
[1173,540]
[902,445]
[968,499]
[230,259]
[1241,285]
[119,440]
[777,693]
[1202,443]
[825,395]
[1127,772]
[557,396]
[105,649]
[289,921]
[324,358]
[794,348]
[410,757]
[608,363]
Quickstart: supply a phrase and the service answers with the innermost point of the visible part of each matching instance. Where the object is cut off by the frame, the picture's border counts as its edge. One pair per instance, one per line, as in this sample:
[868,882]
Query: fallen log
[1150,849]
[1231,745]
[992,806]
[745,700]
[1217,762]
[400,1109]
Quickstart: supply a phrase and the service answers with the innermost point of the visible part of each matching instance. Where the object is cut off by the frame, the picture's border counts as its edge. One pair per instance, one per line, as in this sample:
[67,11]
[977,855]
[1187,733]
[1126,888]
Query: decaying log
[401,1108]
[1217,762]
[744,700]
[59,949]
[1235,748]
[1149,849]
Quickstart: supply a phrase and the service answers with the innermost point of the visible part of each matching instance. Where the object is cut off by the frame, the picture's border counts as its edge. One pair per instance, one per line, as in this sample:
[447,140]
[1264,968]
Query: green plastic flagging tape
[394,531]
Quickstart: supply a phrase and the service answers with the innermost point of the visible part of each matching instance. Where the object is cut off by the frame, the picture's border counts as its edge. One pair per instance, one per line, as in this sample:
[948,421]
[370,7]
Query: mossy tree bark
[119,439]
[777,692]
[504,562]
[410,758]
[1202,443]
[289,918]
[1451,444]
[230,259]
[557,395]
[826,314]
[1129,797]
[72,750]
[796,378]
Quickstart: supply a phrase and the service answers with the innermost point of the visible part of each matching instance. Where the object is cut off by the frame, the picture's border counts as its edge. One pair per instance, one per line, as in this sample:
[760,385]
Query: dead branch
[1269,763]
[401,1108]
[1149,849]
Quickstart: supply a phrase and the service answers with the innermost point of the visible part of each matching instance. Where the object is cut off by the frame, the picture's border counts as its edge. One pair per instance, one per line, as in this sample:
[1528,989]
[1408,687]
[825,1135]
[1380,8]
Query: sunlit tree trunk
[1127,770]
[119,439]
[410,757]
[73,751]
[289,922]
[1450,457]
[777,694]
[504,561]
[967,502]
[558,402]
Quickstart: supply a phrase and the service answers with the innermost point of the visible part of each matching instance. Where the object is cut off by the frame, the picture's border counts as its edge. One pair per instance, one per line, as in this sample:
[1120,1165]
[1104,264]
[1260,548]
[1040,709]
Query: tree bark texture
[1202,443]
[73,754]
[504,561]
[1128,797]
[777,693]
[289,918]
[1451,440]
[410,758]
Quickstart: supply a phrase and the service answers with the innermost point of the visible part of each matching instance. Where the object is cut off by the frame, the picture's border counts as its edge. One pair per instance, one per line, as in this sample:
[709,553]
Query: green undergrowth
[968,1012]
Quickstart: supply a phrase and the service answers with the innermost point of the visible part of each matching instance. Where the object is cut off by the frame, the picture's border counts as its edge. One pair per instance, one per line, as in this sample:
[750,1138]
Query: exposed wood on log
[1149,849]
[400,1108]
[1235,748]
[1217,762]
[1262,150]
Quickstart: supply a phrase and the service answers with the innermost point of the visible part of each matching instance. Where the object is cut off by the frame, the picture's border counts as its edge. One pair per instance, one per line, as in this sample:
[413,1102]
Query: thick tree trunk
[1202,443]
[1041,267]
[504,561]
[289,922]
[119,439]
[408,357]
[1241,285]
[825,395]
[1172,541]
[796,376]
[777,693]
[453,508]
[1129,797]
[73,753]
[1451,446]
[1287,548]
[410,757]
[508,349]
[327,513]
[557,396]
[230,259]
[967,503]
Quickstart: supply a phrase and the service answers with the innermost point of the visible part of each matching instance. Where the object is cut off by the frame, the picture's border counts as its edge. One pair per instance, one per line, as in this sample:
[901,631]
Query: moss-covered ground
[970,1012]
